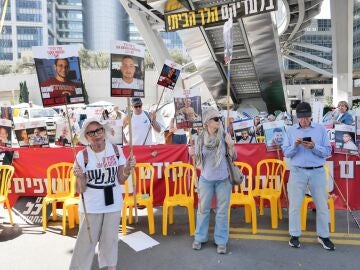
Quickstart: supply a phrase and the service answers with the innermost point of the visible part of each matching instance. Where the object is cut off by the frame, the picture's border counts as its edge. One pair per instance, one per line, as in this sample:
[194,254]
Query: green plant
[24,93]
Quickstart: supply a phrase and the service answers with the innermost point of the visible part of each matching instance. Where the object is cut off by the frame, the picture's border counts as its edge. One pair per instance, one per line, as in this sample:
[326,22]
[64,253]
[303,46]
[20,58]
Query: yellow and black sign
[217,14]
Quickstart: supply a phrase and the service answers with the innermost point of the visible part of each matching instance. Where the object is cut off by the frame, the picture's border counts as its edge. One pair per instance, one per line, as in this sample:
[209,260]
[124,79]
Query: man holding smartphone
[307,146]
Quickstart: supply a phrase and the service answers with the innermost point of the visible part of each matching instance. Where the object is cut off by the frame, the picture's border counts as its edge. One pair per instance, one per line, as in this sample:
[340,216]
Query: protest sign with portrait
[62,135]
[6,113]
[116,133]
[32,134]
[59,74]
[127,69]
[242,131]
[5,132]
[188,112]
[169,74]
[274,134]
[345,140]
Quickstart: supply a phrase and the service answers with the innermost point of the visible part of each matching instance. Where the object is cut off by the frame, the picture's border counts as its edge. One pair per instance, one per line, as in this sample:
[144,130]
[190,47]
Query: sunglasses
[137,106]
[98,131]
[216,119]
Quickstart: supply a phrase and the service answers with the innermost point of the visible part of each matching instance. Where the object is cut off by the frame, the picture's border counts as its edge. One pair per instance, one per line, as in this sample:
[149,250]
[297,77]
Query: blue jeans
[298,181]
[222,190]
[179,139]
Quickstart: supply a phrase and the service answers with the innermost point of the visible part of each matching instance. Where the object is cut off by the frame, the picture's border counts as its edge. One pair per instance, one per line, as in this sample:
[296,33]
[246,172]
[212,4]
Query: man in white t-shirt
[127,81]
[142,123]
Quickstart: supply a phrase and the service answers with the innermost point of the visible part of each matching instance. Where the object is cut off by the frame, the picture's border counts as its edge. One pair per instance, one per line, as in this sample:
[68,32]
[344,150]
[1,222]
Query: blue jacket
[346,118]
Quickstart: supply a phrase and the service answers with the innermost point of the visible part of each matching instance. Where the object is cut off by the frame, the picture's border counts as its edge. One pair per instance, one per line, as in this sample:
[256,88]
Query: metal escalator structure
[257,75]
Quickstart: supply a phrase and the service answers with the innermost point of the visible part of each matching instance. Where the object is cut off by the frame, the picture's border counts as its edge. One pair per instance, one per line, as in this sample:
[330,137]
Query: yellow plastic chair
[242,195]
[331,204]
[60,187]
[71,210]
[260,139]
[270,188]
[6,174]
[182,175]
[144,176]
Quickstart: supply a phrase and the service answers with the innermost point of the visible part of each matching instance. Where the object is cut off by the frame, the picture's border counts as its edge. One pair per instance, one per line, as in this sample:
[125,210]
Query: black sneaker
[326,243]
[294,242]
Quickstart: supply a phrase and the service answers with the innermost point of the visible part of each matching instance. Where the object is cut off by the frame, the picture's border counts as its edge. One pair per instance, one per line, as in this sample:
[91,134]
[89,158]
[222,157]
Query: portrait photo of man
[168,77]
[128,77]
[277,137]
[38,137]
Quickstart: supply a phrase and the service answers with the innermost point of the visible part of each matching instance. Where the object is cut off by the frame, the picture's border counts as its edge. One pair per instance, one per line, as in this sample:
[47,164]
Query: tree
[24,93]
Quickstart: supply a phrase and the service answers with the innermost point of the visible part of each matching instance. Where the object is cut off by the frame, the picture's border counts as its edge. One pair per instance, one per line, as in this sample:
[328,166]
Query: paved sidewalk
[27,247]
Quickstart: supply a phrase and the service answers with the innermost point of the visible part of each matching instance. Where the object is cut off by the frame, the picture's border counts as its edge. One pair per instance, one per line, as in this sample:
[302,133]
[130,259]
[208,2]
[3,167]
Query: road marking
[285,232]
[283,235]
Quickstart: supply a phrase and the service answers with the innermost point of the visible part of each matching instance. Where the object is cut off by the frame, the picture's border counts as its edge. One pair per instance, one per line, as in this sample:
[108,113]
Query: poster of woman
[127,69]
[59,74]
[169,74]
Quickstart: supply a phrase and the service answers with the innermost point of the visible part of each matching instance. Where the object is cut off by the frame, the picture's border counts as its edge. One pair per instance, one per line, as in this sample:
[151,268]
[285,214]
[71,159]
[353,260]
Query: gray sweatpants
[104,229]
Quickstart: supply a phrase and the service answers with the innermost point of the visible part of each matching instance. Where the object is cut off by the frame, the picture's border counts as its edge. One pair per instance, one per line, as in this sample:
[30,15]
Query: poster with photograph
[6,113]
[169,74]
[62,135]
[127,69]
[116,134]
[242,131]
[188,112]
[32,134]
[5,132]
[345,140]
[59,74]
[357,122]
[274,134]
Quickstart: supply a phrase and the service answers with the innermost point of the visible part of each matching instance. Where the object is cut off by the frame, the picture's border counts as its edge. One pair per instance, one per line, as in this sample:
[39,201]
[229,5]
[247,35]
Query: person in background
[209,152]
[142,123]
[178,134]
[307,159]
[99,169]
[344,117]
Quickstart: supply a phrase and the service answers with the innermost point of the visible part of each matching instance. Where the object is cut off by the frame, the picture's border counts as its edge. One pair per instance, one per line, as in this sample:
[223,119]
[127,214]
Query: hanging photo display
[169,74]
[32,134]
[127,69]
[345,140]
[188,113]
[242,131]
[62,135]
[59,74]
[116,133]
[5,132]
[274,134]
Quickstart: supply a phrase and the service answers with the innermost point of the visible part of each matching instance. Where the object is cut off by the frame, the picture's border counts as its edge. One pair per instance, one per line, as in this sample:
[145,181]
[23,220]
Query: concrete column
[342,46]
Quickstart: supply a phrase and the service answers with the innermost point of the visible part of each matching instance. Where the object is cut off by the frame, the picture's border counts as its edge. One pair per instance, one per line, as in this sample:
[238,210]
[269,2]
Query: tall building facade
[356,36]
[65,22]
[104,22]
[25,26]
[318,33]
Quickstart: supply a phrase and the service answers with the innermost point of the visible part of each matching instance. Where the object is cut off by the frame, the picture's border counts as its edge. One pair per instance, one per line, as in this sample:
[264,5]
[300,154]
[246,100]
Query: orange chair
[60,187]
[6,174]
[242,195]
[144,176]
[331,204]
[182,175]
[271,186]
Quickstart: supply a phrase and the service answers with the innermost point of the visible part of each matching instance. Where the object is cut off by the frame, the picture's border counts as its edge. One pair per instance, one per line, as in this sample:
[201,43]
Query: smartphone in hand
[306,139]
